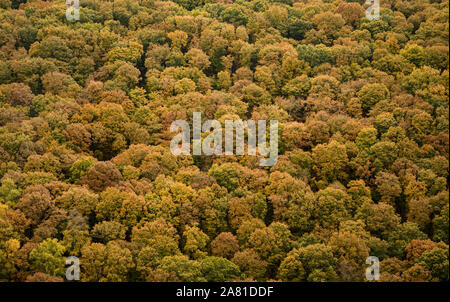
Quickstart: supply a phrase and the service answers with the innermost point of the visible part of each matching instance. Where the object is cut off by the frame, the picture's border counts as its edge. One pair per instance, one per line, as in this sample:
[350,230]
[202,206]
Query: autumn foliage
[86,169]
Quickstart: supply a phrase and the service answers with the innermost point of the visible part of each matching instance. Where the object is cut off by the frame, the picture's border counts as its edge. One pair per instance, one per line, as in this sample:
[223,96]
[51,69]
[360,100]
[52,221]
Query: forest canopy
[86,169]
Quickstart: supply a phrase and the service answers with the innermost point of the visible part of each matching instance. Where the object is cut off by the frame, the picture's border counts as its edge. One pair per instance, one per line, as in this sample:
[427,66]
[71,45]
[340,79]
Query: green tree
[48,258]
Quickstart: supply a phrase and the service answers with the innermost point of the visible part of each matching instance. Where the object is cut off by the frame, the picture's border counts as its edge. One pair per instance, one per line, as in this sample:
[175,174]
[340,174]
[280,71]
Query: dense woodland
[86,169]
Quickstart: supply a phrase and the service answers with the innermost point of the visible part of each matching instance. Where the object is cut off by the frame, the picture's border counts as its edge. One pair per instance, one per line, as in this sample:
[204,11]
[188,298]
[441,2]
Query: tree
[440,225]
[47,258]
[234,15]
[9,193]
[127,208]
[436,261]
[366,138]
[388,186]
[8,259]
[102,175]
[179,39]
[78,198]
[80,167]
[226,175]
[330,161]
[371,94]
[43,277]
[402,236]
[250,264]
[272,243]
[195,242]
[86,167]
[351,12]
[291,200]
[380,218]
[298,87]
[315,55]
[212,205]
[351,253]
[197,58]
[417,248]
[159,235]
[312,263]
[74,239]
[216,269]
[178,269]
[17,94]
[106,231]
[255,95]
[105,263]
[225,245]
[331,207]
[36,203]
[130,52]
